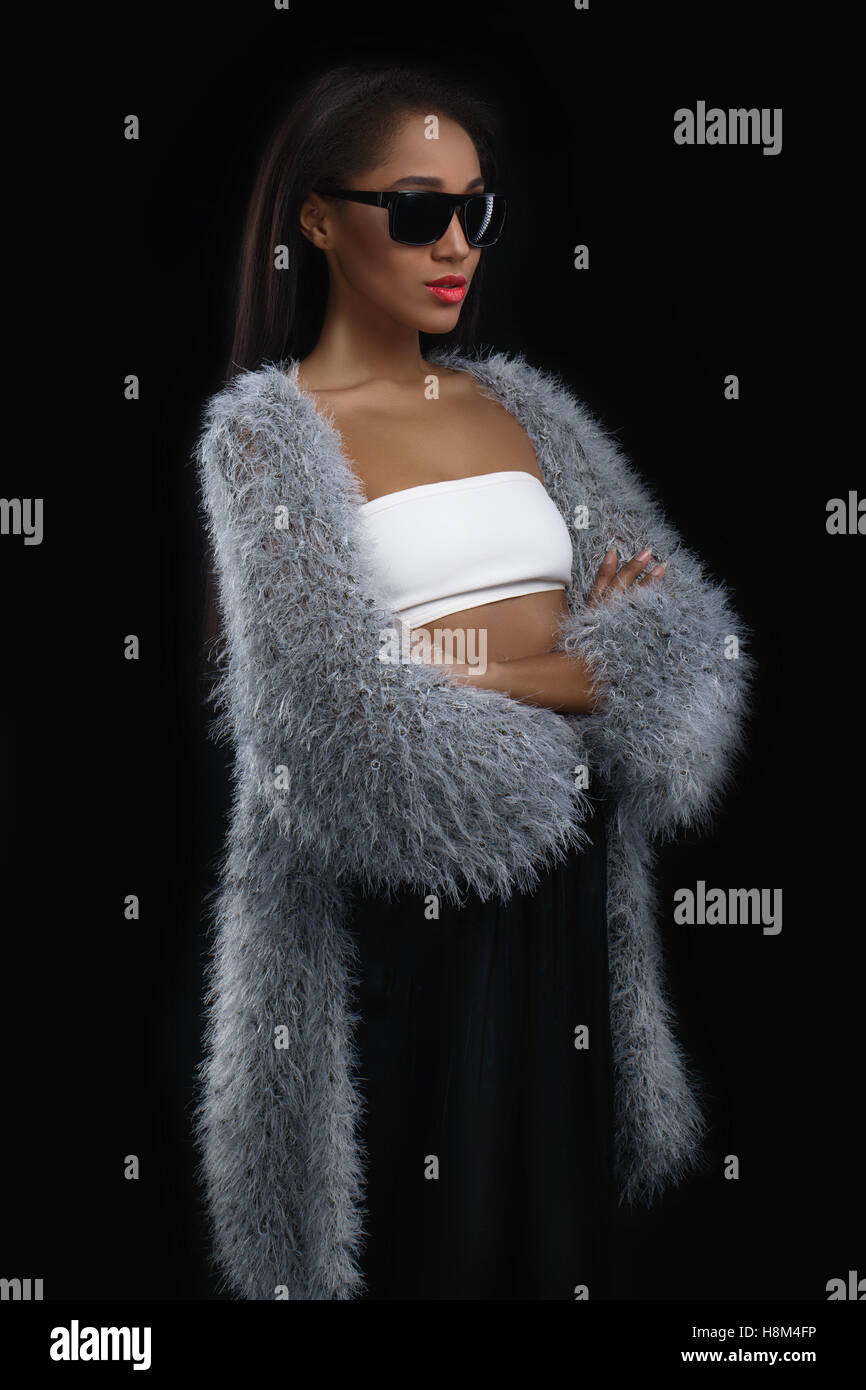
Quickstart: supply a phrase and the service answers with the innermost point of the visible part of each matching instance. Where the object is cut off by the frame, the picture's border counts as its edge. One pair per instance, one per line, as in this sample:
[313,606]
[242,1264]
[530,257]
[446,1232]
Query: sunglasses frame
[393,197]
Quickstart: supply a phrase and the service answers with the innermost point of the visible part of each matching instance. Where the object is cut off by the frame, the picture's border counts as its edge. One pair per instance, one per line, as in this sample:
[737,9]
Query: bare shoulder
[493,432]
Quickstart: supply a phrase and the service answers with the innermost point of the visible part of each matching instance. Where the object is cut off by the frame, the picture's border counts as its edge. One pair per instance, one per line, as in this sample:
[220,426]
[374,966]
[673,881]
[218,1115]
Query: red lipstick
[449,288]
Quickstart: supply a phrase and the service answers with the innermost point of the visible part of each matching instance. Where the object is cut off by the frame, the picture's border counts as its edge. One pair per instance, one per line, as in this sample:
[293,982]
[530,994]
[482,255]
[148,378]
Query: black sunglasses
[418,218]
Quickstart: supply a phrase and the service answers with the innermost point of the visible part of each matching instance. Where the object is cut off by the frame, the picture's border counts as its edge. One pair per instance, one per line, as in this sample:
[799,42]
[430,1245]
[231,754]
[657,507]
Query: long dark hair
[338,125]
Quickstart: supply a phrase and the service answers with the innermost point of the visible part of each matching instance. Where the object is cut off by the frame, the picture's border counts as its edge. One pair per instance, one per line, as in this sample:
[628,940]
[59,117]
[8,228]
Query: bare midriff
[395,438]
[506,630]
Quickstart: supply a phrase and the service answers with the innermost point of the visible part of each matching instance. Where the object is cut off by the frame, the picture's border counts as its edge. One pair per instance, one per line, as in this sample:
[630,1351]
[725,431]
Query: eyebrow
[430,182]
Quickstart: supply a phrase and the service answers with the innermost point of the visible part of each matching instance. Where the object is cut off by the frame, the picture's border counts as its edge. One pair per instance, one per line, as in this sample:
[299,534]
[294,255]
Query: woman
[463,695]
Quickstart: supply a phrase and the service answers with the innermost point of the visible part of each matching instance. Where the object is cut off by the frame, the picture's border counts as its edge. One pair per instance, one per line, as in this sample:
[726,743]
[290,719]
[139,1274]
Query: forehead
[430,144]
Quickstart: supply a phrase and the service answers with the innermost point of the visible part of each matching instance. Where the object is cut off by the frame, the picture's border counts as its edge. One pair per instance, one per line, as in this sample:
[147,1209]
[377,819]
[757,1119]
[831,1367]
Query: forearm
[554,680]
[676,674]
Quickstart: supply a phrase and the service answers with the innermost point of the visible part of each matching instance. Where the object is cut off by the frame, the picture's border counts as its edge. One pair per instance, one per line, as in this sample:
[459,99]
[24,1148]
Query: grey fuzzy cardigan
[349,771]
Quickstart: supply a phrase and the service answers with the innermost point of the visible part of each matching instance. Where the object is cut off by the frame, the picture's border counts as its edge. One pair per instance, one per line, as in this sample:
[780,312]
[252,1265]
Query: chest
[401,444]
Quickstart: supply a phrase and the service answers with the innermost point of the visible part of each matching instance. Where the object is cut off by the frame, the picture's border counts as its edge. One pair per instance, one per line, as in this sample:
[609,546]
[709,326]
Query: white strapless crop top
[463,542]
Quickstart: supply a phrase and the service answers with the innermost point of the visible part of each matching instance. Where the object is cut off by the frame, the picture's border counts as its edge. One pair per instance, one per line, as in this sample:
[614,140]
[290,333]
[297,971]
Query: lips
[449,288]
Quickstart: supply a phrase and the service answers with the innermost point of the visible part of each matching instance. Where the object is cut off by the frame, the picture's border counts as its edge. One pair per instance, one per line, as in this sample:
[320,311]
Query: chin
[440,323]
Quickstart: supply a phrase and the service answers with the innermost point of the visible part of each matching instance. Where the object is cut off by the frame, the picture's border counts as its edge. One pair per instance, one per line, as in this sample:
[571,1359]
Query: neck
[358,344]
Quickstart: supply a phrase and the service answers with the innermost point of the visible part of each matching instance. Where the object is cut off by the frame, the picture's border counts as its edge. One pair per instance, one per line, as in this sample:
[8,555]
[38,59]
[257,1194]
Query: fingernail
[644,555]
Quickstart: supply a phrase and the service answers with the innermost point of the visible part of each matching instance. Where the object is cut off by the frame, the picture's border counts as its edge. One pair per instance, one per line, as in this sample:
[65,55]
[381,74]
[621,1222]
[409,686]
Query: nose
[453,240]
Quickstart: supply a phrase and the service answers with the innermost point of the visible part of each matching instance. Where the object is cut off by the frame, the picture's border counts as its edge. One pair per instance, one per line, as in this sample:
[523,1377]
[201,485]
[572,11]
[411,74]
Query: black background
[703,262]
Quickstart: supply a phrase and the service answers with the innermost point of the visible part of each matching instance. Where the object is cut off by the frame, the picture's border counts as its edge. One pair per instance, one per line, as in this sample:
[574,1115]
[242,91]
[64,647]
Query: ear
[316,220]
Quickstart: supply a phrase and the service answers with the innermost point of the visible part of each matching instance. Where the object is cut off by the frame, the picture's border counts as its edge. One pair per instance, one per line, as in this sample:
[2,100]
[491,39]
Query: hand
[609,582]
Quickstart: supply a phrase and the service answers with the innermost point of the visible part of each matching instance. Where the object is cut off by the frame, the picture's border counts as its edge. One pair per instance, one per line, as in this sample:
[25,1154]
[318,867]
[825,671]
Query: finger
[606,572]
[654,574]
[630,571]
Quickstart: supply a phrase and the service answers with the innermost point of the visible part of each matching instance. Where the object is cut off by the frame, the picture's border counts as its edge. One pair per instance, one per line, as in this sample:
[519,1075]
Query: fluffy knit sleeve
[391,773]
[670,656]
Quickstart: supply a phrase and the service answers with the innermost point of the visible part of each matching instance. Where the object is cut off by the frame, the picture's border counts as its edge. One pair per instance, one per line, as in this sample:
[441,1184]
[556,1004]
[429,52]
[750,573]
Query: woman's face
[370,271]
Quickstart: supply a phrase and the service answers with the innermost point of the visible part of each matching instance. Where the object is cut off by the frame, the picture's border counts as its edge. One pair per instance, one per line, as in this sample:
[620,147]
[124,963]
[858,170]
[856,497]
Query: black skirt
[487,1134]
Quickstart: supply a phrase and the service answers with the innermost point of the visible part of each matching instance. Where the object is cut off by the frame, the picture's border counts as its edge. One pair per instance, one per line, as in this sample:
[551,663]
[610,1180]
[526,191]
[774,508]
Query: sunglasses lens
[419,219]
[484,218]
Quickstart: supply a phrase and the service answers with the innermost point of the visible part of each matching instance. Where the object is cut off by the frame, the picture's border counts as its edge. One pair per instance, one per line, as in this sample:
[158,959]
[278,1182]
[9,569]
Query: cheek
[378,267]
[364,237]
[390,275]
